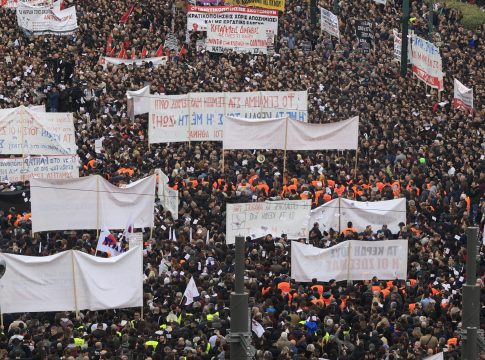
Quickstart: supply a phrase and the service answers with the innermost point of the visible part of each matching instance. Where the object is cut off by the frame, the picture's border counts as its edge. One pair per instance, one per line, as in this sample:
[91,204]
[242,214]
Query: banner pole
[74,284]
[190,117]
[356,158]
[223,152]
[286,143]
[339,227]
[151,233]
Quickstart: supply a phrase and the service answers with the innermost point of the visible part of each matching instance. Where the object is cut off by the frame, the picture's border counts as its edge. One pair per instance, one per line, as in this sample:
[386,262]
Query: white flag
[191,292]
[463,96]
[257,328]
[107,243]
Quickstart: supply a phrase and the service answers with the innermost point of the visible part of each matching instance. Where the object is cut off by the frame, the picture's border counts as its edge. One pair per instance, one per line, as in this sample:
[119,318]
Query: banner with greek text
[350,260]
[270,217]
[26,132]
[105,60]
[12,4]
[199,18]
[329,23]
[265,4]
[426,61]
[463,96]
[170,114]
[365,35]
[42,167]
[42,20]
[252,39]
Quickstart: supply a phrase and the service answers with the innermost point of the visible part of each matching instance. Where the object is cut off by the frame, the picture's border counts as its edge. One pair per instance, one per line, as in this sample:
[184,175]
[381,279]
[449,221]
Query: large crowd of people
[412,144]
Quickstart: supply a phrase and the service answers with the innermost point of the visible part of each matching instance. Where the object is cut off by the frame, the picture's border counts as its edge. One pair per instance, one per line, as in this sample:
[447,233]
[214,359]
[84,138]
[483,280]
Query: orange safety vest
[320,288]
[284,286]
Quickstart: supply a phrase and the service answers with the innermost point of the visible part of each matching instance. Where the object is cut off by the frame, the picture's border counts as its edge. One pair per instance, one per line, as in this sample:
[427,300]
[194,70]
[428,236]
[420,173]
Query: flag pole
[189,120]
[223,152]
[74,284]
[286,143]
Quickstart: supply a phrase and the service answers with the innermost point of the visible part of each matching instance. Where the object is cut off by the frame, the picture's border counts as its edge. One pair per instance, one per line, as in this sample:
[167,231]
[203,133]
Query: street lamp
[3,267]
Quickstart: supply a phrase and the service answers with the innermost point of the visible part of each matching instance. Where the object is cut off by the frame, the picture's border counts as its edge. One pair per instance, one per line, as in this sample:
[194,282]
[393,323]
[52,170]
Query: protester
[411,144]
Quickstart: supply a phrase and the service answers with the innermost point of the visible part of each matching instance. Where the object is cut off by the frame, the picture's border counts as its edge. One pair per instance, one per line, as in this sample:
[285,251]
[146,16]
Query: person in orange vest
[349,229]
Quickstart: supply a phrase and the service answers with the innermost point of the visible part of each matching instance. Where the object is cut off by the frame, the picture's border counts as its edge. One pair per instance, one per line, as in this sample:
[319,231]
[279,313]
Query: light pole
[3,268]
[404,38]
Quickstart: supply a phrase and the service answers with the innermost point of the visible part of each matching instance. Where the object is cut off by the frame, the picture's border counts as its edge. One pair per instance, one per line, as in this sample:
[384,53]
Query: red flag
[111,53]
[126,15]
[144,52]
[122,53]
[159,51]
[133,54]
[62,6]
[109,43]
[182,52]
[167,54]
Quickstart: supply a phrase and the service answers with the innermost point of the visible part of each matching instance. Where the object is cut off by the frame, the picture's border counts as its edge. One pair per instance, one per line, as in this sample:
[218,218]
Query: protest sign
[426,61]
[42,167]
[269,217]
[200,46]
[383,2]
[171,42]
[91,202]
[42,20]
[365,34]
[27,132]
[463,96]
[265,4]
[397,44]
[360,213]
[241,39]
[170,114]
[156,61]
[135,239]
[329,23]
[199,18]
[350,260]
[71,280]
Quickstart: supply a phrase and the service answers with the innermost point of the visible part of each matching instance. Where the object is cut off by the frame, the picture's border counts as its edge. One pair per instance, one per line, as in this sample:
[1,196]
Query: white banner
[439,356]
[281,133]
[199,18]
[113,283]
[426,61]
[170,114]
[329,23]
[26,132]
[170,199]
[350,260]
[463,96]
[341,135]
[89,203]
[43,284]
[105,60]
[141,100]
[42,167]
[12,4]
[251,134]
[376,214]
[327,216]
[397,44]
[360,213]
[383,2]
[39,20]
[269,217]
